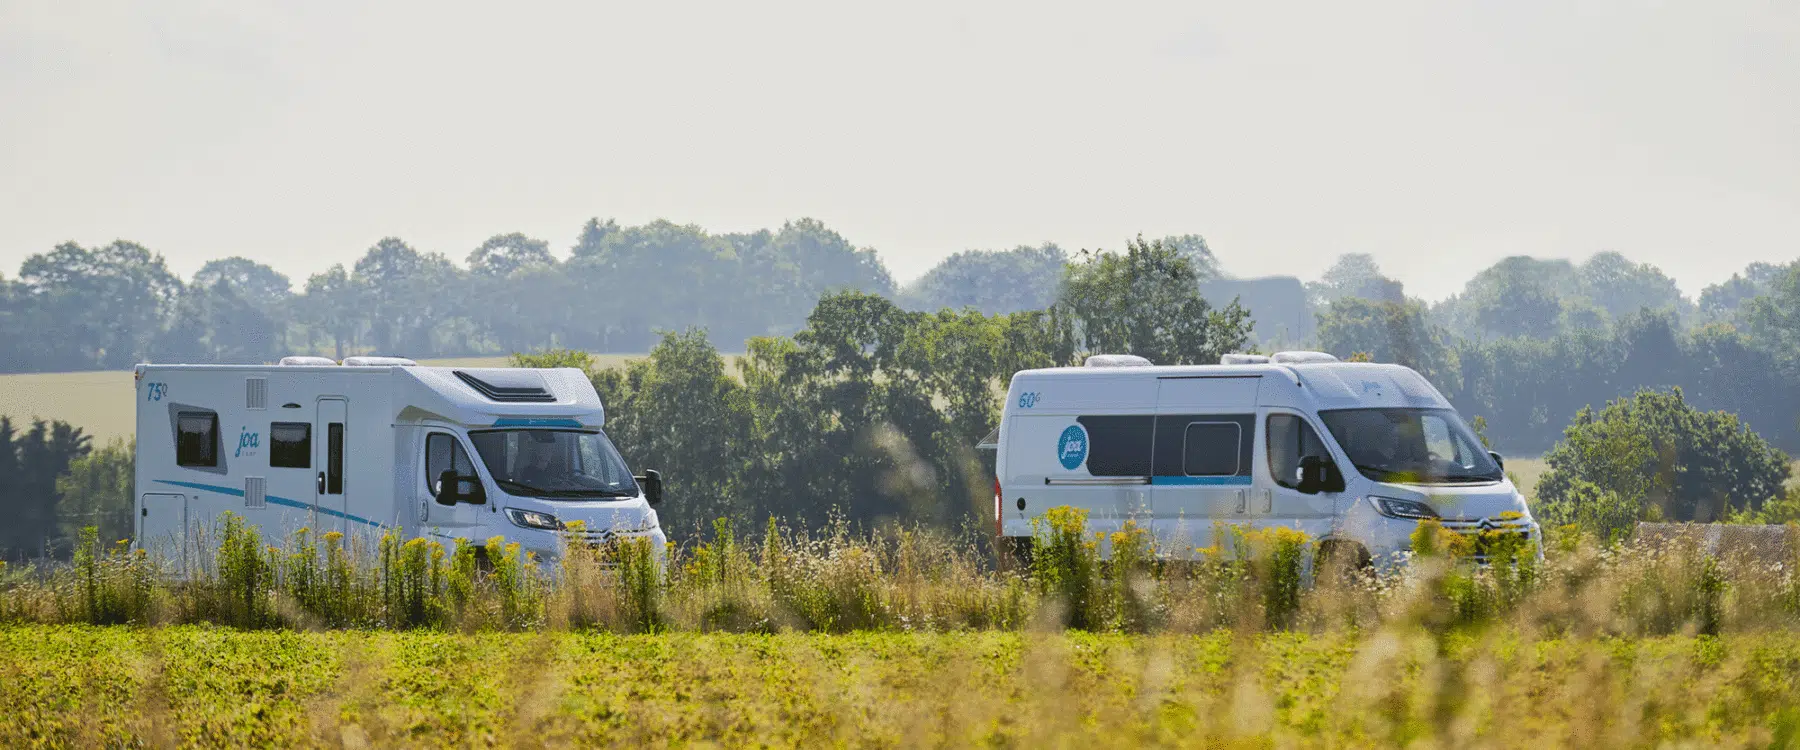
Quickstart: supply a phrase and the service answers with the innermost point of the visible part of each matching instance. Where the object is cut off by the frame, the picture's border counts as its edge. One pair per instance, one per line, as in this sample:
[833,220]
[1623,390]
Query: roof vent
[1244,359]
[378,362]
[308,362]
[1301,358]
[1116,360]
[507,385]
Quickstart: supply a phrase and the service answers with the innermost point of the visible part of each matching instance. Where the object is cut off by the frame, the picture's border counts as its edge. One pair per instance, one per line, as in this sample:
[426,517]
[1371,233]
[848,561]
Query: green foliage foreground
[209,687]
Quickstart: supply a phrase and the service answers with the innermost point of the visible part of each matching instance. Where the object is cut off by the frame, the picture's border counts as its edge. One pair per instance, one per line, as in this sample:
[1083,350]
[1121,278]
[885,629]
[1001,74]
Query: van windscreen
[1424,446]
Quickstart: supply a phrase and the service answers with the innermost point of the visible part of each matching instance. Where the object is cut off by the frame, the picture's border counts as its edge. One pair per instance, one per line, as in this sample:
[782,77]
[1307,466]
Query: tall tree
[1354,275]
[992,281]
[109,303]
[1147,302]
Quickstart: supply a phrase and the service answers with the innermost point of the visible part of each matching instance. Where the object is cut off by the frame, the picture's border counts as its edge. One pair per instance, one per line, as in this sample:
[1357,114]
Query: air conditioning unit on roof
[308,362]
[1116,360]
[1301,358]
[378,362]
[1244,359]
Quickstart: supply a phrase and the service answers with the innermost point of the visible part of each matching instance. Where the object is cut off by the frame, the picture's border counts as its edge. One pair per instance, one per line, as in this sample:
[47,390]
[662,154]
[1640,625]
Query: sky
[1438,136]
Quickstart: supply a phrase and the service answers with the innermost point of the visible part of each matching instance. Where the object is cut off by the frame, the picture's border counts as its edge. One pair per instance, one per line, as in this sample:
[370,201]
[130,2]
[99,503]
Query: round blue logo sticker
[1071,448]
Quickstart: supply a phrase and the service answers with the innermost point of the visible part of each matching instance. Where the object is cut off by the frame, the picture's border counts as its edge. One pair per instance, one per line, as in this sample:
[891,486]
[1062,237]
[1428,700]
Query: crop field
[205,686]
[100,402]
[905,639]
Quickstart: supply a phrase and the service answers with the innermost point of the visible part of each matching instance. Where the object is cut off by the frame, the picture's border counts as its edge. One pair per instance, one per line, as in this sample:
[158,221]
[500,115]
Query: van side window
[1204,445]
[1119,446]
[197,439]
[442,452]
[1291,439]
[1210,449]
[290,445]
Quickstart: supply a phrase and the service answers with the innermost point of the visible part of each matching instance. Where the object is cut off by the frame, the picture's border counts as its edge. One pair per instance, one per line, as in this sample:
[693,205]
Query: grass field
[100,402]
[197,686]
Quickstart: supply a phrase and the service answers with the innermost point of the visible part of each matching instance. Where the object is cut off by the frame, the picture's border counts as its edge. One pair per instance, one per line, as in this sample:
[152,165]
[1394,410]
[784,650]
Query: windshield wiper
[521,486]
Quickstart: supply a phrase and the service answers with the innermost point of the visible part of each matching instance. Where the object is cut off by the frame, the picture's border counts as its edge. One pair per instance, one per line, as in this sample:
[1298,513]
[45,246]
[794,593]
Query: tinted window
[1211,449]
[290,445]
[334,458]
[1204,445]
[443,453]
[1291,439]
[1119,446]
[197,439]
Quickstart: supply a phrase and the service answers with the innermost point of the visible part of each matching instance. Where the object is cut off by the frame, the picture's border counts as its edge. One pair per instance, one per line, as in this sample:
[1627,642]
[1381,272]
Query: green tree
[1388,332]
[992,281]
[97,491]
[1622,287]
[105,305]
[1664,458]
[1354,275]
[1147,302]
[503,254]
[334,305]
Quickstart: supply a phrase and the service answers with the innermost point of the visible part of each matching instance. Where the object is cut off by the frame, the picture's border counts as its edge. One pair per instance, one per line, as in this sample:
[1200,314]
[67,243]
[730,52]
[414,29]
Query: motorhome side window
[197,439]
[1204,445]
[290,445]
[1291,439]
[1119,446]
[1211,449]
[442,453]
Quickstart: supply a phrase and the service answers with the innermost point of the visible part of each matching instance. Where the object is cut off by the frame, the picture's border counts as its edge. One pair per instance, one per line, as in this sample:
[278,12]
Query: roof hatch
[514,386]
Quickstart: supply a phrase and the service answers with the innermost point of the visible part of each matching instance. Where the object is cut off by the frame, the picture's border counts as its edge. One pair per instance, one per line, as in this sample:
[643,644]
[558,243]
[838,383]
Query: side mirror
[1498,461]
[651,481]
[453,489]
[1318,474]
[1312,475]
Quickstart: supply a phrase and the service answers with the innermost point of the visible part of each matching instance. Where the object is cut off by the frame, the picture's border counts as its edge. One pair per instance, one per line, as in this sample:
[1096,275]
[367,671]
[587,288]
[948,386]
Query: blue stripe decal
[535,422]
[1202,481]
[282,501]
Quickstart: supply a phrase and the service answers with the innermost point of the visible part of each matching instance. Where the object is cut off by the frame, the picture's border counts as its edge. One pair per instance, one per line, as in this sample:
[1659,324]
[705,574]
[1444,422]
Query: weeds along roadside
[838,579]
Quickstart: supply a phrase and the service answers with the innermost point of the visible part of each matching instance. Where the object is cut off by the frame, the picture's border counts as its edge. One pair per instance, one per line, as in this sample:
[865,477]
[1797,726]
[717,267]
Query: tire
[1336,555]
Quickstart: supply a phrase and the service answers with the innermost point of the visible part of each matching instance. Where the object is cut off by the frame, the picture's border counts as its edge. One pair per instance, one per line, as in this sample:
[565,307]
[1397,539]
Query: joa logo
[1072,447]
[248,439]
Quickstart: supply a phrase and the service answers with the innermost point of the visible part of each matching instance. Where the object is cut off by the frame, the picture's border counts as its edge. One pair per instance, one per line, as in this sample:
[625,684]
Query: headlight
[1396,508]
[532,519]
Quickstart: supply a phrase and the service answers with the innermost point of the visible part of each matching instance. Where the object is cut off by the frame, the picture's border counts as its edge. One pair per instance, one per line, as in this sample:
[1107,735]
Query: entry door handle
[1241,501]
[321,483]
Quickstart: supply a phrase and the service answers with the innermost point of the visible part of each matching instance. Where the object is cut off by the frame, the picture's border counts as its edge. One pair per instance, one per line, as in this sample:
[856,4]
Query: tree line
[113,306]
[873,395]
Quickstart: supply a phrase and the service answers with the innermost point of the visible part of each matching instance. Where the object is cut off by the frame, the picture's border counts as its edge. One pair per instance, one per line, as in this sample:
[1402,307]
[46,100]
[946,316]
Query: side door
[1202,478]
[162,527]
[445,451]
[330,429]
[1289,437]
[1202,463]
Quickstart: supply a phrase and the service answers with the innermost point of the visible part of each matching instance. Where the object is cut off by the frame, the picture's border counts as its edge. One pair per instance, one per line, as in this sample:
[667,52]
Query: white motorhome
[380,444]
[1353,454]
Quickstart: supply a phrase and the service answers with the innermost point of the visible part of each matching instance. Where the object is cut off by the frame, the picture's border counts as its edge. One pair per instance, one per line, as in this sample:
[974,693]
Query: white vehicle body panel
[1076,436]
[377,482]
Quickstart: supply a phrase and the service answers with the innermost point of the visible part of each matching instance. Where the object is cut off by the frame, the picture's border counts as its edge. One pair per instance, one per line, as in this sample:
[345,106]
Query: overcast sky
[1438,136]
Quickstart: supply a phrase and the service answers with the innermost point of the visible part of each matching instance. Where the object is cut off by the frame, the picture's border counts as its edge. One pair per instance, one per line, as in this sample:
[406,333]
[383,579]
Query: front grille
[1489,534]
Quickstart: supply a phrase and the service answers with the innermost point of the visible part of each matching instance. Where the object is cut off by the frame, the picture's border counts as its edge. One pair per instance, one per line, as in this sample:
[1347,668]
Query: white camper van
[1353,454]
[379,444]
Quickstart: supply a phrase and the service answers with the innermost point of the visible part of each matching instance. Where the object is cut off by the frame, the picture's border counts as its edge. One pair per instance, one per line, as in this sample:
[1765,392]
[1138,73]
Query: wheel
[1338,556]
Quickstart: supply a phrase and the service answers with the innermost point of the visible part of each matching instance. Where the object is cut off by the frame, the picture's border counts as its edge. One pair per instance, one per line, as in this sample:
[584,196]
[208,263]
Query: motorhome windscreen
[1430,446]
[510,386]
[554,464]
